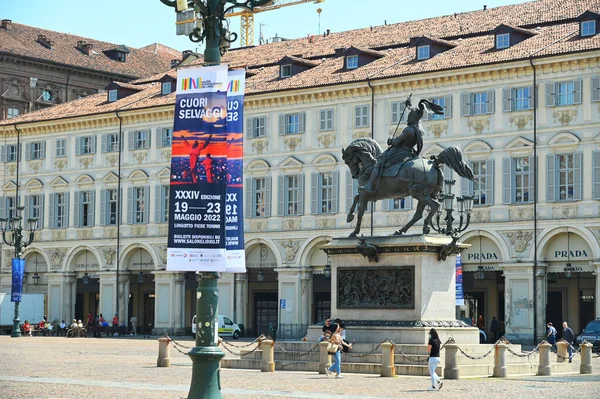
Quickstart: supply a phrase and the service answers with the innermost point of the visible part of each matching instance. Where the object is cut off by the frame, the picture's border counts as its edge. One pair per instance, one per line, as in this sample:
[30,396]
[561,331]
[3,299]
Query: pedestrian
[501,329]
[569,337]
[433,347]
[494,330]
[551,335]
[133,322]
[336,338]
[328,329]
[90,320]
[62,328]
[115,325]
[480,323]
[338,321]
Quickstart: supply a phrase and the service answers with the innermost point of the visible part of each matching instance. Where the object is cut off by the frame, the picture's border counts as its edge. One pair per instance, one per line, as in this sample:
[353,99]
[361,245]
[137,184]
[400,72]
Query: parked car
[227,328]
[591,334]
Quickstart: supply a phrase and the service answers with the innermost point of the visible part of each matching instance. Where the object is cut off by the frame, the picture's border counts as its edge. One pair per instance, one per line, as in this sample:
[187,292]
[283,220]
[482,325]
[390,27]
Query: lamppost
[206,355]
[465,207]
[14,226]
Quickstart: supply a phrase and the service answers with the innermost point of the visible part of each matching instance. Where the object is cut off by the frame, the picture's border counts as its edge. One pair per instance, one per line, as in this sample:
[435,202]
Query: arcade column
[108,294]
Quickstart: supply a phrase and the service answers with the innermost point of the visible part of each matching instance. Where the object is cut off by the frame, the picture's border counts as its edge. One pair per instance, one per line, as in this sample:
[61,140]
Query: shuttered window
[361,116]
[326,119]
[482,188]
[59,210]
[563,93]
[35,150]
[518,180]
[85,208]
[291,123]
[563,172]
[291,195]
[324,193]
[256,127]
[477,103]
[34,208]
[162,204]
[139,205]
[109,202]
[258,191]
[85,145]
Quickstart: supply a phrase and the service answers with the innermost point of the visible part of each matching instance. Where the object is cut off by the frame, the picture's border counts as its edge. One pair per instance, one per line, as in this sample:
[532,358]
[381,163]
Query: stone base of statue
[395,288]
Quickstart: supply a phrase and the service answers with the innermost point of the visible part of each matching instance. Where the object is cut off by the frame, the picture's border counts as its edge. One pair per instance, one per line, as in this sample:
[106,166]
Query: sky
[137,23]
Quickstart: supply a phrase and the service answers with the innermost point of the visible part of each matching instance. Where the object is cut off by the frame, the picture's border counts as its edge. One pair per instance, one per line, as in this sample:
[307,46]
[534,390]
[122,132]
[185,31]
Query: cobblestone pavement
[52,368]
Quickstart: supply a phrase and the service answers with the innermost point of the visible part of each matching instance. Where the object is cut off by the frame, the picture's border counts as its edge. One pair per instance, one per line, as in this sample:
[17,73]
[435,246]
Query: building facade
[519,101]
[41,68]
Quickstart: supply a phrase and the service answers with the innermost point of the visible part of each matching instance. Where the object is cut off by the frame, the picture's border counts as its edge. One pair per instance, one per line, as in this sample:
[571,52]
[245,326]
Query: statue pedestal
[401,295]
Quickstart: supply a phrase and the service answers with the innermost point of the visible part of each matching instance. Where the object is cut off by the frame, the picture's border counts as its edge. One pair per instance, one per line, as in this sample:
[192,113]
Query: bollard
[164,353]
[545,368]
[388,368]
[586,358]
[324,357]
[561,351]
[500,370]
[451,370]
[268,357]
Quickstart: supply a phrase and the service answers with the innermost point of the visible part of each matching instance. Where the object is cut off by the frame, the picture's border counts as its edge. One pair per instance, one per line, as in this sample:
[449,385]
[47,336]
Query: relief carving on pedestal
[56,255]
[290,249]
[520,239]
[376,288]
[564,211]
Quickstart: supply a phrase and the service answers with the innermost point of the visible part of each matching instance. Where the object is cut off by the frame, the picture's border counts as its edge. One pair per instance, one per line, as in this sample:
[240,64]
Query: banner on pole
[460,298]
[234,225]
[18,270]
[197,198]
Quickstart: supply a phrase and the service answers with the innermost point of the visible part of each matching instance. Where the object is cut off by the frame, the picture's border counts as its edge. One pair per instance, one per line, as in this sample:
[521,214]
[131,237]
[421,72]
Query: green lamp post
[206,355]
[15,239]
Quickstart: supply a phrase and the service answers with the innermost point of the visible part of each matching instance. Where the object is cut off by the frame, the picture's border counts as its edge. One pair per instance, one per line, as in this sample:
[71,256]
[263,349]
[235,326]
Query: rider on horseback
[402,148]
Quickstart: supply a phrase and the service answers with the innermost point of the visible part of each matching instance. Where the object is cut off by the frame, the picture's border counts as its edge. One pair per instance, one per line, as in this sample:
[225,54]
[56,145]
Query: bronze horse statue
[418,177]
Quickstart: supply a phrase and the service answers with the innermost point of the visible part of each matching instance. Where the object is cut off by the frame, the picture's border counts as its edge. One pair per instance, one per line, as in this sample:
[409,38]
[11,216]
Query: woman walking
[336,338]
[433,347]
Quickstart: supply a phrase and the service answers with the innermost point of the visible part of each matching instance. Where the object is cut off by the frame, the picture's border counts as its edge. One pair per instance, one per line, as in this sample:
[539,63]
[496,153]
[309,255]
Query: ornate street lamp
[327,271]
[464,208]
[16,240]
[86,277]
[206,355]
[36,276]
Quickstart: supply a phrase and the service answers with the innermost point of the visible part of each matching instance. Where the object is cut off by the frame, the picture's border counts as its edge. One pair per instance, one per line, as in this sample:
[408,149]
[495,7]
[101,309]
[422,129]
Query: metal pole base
[16,331]
[206,380]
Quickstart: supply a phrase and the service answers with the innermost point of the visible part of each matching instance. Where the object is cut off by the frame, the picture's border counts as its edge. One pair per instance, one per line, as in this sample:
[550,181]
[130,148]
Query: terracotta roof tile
[398,60]
[22,40]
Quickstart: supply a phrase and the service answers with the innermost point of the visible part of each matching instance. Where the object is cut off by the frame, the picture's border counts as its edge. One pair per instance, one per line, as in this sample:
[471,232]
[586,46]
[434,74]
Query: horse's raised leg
[434,206]
[350,216]
[416,217]
[362,206]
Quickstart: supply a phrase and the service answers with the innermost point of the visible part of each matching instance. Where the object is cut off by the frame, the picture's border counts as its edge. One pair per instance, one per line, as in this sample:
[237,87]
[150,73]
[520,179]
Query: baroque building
[514,82]
[41,68]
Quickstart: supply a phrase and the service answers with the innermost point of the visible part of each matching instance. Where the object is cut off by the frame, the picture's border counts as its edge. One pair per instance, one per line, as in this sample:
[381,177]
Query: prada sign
[576,254]
[482,256]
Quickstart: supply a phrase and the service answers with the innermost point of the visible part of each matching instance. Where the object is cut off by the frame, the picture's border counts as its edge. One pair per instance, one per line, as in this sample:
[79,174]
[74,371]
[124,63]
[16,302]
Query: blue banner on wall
[199,174]
[234,226]
[460,298]
[18,270]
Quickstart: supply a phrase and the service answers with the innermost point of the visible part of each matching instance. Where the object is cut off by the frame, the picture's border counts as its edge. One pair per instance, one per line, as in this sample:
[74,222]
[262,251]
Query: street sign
[282,303]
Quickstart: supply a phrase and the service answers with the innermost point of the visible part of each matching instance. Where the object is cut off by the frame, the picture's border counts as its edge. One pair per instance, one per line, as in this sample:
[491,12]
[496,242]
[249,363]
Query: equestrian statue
[399,171]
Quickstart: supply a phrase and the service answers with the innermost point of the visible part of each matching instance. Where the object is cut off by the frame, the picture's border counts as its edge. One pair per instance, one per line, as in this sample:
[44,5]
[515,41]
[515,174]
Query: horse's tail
[453,157]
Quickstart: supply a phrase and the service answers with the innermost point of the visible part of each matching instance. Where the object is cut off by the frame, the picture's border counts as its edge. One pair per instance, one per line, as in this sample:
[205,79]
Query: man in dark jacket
[494,330]
[569,337]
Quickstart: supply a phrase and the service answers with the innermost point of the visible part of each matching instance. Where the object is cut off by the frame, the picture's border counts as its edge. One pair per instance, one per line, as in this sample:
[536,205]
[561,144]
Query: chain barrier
[296,354]
[368,353]
[478,357]
[177,345]
[262,337]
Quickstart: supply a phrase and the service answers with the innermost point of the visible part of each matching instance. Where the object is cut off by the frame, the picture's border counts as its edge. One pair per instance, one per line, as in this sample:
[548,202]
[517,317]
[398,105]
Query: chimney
[43,40]
[484,7]
[6,23]
[328,31]
[87,48]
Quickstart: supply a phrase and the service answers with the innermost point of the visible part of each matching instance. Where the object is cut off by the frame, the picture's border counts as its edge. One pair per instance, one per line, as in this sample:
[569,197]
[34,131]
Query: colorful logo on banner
[199,174]
[460,297]
[18,270]
[234,226]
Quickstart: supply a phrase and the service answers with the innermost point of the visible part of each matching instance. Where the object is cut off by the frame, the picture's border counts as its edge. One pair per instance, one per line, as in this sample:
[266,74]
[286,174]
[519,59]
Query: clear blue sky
[137,23]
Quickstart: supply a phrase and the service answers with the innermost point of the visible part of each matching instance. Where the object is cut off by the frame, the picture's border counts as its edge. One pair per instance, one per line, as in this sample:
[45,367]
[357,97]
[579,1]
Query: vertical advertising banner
[234,225]
[18,269]
[197,196]
[460,298]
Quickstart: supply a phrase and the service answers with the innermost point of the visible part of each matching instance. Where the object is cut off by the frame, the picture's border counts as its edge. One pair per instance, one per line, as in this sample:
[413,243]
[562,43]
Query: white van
[227,328]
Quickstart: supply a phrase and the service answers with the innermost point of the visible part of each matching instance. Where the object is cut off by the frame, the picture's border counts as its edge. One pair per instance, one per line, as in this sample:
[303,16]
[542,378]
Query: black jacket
[568,335]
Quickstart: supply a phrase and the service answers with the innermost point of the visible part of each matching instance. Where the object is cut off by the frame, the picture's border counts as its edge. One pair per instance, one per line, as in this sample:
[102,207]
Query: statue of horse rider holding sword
[408,145]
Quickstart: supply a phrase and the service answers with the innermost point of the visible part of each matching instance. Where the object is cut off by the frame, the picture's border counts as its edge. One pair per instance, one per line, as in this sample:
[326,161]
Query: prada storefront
[571,280]
[483,282]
